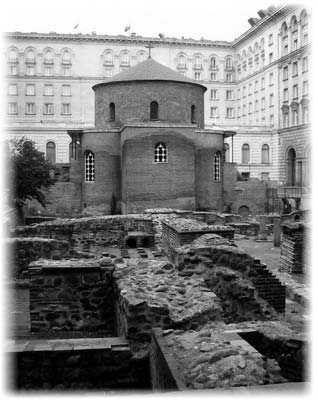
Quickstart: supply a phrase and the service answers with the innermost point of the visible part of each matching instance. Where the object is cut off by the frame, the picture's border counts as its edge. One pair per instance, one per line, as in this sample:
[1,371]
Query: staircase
[268,286]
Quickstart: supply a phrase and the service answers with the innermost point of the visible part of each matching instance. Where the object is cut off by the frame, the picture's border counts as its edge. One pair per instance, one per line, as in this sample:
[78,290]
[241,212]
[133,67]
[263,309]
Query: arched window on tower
[193,115]
[50,152]
[245,153]
[217,166]
[161,153]
[154,110]
[112,114]
[265,154]
[89,167]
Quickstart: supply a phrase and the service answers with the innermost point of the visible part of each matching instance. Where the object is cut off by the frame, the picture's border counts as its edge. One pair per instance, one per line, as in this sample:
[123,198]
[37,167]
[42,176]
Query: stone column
[262,228]
[277,231]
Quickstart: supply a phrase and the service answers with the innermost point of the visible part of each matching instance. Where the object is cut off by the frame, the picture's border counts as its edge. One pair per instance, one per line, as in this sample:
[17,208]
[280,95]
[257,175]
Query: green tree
[29,173]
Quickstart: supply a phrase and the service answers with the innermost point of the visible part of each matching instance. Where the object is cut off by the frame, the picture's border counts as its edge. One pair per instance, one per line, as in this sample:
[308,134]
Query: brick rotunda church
[149,147]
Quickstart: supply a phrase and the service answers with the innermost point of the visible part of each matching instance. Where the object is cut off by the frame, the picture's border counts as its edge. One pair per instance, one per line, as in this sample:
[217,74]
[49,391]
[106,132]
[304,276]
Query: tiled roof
[149,70]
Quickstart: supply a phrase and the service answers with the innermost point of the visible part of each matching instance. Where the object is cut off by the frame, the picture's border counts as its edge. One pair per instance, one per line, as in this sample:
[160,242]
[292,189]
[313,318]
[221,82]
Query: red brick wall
[132,102]
[146,183]
[106,148]
[208,191]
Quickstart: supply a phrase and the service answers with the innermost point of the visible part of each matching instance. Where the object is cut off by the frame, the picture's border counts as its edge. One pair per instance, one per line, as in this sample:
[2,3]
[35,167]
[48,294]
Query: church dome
[149,92]
[149,70]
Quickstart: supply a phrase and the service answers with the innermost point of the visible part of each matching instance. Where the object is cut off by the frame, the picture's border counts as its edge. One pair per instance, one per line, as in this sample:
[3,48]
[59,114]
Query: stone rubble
[208,359]
[151,293]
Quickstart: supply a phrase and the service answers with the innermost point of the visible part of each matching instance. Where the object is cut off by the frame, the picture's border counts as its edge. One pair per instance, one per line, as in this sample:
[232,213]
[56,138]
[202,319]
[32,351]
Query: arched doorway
[291,167]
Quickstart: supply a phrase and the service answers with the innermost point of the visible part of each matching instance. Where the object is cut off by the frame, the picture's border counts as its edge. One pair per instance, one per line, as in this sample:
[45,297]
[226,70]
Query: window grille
[161,153]
[89,167]
[216,166]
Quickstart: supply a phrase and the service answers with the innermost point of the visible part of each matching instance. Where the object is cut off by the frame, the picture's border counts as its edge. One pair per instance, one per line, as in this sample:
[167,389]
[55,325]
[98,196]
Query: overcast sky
[211,19]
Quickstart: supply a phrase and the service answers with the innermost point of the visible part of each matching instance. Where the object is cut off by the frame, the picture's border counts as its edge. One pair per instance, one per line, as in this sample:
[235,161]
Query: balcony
[182,66]
[30,61]
[13,60]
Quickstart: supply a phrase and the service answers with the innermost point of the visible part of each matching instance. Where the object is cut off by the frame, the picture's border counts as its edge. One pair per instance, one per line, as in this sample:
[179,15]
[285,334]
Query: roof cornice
[280,11]
[79,37]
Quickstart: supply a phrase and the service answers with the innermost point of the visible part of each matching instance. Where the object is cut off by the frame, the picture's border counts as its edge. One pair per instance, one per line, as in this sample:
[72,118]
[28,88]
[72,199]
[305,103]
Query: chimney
[252,21]
[262,13]
[270,9]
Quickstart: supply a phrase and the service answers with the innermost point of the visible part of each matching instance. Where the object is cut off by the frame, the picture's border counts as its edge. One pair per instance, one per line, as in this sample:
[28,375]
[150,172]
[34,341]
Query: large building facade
[257,85]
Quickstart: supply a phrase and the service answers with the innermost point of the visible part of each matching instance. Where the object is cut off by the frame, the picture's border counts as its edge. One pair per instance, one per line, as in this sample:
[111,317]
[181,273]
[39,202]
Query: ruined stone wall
[183,232]
[75,364]
[241,281]
[22,251]
[70,296]
[105,231]
[152,294]
[163,370]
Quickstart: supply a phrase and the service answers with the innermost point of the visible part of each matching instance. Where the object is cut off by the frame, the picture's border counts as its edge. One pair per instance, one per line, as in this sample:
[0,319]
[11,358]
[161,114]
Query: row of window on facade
[295,68]
[291,113]
[258,62]
[30,56]
[160,157]
[153,112]
[198,62]
[213,76]
[262,102]
[48,90]
[32,71]
[302,22]
[246,156]
[30,108]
